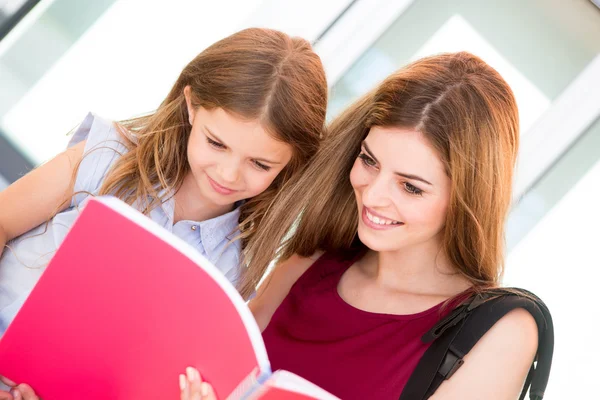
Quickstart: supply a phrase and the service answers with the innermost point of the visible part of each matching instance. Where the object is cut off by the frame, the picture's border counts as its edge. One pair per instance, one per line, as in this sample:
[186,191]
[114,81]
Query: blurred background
[60,59]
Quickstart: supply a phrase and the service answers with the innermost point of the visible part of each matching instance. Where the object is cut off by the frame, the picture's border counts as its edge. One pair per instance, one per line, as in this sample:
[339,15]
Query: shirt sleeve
[103,148]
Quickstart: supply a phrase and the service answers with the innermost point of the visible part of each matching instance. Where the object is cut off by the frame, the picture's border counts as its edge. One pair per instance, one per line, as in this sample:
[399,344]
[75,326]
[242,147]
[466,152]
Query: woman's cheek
[356,175]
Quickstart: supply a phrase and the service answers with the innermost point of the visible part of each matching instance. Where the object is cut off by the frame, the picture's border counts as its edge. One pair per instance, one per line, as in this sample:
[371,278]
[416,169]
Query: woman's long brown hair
[469,115]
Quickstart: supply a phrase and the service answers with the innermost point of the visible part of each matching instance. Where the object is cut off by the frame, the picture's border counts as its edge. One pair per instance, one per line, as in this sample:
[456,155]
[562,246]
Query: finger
[7,381]
[5,395]
[195,383]
[208,392]
[27,392]
[184,387]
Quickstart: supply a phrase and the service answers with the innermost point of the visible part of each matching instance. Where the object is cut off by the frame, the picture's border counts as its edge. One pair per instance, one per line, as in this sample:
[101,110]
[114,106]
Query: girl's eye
[261,166]
[412,189]
[366,160]
[215,144]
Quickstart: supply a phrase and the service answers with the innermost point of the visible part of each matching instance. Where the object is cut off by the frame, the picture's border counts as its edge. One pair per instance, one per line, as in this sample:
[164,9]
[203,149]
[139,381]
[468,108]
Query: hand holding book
[193,388]
[18,392]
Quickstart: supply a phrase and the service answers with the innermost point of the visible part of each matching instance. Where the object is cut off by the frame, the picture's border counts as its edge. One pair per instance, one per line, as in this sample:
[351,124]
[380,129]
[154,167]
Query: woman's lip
[378,215]
[373,225]
[219,188]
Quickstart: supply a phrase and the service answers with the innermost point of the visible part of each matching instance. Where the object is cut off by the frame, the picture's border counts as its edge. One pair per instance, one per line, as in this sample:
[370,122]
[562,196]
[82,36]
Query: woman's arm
[31,200]
[496,367]
[277,285]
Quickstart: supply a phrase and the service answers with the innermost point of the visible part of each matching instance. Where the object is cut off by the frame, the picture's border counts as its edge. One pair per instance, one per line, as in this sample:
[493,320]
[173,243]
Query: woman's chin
[374,241]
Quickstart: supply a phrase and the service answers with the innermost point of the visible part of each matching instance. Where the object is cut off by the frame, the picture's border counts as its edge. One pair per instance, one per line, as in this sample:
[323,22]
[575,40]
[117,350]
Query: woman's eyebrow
[414,177]
[402,174]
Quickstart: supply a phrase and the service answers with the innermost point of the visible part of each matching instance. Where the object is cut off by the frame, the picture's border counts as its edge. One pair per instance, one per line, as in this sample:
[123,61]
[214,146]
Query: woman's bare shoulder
[277,285]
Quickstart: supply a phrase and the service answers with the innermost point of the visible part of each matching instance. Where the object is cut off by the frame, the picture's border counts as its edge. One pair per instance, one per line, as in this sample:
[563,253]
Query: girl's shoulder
[104,145]
[93,128]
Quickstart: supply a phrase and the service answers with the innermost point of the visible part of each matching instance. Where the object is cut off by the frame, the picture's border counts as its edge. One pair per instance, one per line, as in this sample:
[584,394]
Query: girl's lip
[220,188]
[372,224]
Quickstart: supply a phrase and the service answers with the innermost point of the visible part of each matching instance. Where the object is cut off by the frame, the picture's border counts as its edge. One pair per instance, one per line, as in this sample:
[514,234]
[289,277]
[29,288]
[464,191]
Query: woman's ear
[187,93]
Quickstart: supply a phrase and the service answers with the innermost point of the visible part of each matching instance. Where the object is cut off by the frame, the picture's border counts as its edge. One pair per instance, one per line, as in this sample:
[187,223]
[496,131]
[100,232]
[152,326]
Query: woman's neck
[191,205]
[423,269]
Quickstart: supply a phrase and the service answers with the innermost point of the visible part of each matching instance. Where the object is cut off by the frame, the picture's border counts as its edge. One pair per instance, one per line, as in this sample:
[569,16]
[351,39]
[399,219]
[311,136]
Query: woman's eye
[366,160]
[412,189]
[215,144]
[261,166]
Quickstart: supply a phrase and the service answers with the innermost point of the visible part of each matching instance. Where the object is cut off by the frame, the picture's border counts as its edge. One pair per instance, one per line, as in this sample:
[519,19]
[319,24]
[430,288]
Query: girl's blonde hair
[255,74]
[469,115]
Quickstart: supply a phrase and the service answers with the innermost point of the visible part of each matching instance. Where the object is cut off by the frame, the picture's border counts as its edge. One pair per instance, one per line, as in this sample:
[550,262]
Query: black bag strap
[454,336]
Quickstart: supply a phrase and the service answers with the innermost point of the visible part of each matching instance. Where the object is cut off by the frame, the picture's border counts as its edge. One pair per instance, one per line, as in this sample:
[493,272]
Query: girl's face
[401,188]
[231,158]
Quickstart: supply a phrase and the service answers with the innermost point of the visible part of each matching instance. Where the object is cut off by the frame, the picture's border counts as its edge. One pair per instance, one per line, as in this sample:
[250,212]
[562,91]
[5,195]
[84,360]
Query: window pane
[538,46]
[553,240]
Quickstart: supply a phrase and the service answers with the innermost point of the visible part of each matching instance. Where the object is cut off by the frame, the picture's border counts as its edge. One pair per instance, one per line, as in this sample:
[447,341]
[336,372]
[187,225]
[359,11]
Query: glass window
[553,241]
[118,58]
[113,57]
[538,46]
[27,58]
[3,183]
[11,11]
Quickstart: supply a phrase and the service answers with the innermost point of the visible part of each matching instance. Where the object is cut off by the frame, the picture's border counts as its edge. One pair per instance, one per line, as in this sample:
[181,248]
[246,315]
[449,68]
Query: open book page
[122,309]
[284,385]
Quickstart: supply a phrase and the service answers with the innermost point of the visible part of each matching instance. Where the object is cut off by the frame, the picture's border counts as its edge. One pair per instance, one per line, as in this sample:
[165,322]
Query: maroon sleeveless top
[353,354]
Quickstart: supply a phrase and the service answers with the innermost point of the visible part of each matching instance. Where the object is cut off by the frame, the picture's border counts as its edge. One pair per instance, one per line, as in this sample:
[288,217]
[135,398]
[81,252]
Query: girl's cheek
[257,182]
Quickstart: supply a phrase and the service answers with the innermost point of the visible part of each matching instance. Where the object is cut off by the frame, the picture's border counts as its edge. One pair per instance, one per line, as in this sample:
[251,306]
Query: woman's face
[401,188]
[231,158]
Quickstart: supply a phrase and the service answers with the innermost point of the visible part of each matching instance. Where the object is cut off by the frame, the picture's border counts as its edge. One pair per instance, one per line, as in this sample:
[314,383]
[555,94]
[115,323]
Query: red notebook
[124,307]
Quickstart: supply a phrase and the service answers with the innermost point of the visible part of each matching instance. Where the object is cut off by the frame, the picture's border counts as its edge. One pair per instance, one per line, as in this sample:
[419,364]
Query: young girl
[242,118]
[403,212]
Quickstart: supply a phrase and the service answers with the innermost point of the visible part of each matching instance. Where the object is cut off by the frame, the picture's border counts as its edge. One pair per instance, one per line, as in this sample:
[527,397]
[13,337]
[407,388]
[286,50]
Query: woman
[402,217]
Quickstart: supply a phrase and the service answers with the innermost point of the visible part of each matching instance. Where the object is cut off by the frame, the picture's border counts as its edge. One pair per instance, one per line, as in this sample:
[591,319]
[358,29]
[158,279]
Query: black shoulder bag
[454,336]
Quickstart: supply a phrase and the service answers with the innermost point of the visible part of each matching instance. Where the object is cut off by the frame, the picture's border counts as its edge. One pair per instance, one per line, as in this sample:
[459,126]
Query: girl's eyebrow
[213,135]
[225,144]
[402,174]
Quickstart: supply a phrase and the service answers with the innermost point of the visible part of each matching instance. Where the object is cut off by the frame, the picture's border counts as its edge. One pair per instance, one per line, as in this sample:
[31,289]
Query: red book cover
[123,308]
